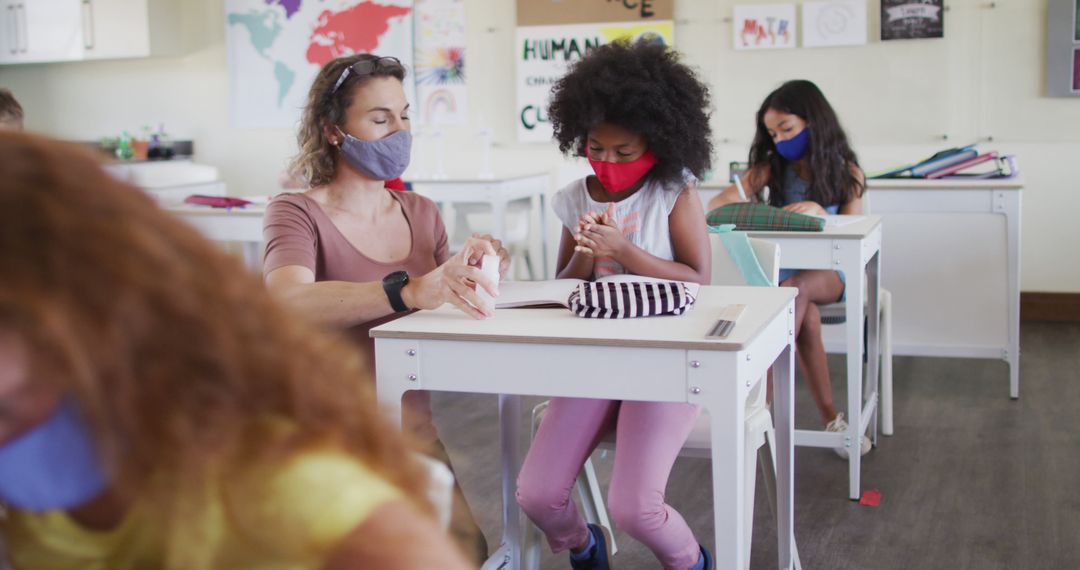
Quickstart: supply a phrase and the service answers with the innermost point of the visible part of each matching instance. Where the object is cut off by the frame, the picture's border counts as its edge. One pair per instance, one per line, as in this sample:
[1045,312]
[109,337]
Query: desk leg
[723,397]
[856,278]
[252,255]
[873,346]
[1008,203]
[784,420]
[396,372]
[508,555]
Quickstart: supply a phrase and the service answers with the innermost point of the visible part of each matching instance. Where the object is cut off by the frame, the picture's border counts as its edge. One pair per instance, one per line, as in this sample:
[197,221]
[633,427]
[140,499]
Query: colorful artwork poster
[544,53]
[440,62]
[767,26]
[1076,71]
[912,19]
[277,47]
[834,23]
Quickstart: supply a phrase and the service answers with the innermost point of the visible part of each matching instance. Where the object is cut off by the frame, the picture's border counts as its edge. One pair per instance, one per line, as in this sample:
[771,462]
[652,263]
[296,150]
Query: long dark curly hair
[830,156]
[643,87]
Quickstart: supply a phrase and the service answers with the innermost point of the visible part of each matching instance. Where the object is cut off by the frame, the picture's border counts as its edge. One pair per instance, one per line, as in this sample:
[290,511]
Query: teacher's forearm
[336,304]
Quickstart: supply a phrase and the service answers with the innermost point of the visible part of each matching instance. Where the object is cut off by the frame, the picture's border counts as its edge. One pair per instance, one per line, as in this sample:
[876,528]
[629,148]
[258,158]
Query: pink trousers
[648,437]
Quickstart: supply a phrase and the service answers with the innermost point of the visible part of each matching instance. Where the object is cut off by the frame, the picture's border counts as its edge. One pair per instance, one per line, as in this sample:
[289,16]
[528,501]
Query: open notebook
[556,292]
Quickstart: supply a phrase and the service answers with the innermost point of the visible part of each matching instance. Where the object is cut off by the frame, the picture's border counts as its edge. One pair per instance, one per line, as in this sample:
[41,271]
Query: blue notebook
[928,166]
[939,160]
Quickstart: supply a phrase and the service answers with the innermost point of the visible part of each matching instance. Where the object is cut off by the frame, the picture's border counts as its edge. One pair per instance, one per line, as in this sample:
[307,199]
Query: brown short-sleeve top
[297,231]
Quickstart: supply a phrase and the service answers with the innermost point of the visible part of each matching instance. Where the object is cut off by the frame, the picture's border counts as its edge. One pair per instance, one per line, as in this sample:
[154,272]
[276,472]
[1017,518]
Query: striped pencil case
[628,299]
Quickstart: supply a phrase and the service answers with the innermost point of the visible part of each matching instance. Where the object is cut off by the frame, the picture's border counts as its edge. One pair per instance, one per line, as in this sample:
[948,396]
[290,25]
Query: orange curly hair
[173,351]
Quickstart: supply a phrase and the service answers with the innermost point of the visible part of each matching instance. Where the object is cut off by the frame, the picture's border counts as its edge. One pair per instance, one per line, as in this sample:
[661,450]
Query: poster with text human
[276,48]
[764,26]
[912,19]
[440,63]
[834,23]
[546,52]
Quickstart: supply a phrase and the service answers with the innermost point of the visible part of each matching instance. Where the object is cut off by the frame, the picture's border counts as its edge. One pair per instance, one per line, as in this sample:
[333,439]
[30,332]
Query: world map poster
[276,48]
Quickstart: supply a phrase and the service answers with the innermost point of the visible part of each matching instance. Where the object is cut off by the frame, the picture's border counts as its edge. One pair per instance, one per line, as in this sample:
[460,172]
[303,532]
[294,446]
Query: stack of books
[962,162]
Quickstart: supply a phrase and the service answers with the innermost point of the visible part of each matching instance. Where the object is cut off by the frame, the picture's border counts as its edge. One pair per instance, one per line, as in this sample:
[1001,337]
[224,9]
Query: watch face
[397,277]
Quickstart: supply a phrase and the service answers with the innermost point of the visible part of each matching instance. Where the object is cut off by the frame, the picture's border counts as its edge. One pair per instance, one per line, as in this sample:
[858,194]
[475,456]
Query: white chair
[759,427]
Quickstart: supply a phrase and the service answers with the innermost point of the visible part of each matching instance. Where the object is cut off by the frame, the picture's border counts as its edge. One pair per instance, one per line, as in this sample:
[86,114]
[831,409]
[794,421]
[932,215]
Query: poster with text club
[552,35]
[912,19]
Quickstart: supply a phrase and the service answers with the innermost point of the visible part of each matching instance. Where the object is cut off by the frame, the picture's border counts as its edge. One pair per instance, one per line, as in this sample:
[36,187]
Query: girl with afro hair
[640,117]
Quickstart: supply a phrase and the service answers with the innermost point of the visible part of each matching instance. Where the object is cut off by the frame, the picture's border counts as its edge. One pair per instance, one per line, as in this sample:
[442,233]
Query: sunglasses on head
[366,67]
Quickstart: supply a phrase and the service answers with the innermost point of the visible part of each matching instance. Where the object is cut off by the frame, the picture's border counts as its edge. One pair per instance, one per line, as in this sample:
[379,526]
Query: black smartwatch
[392,285]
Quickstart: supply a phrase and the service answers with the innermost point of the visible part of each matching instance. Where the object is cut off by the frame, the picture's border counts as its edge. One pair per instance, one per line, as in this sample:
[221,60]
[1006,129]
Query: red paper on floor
[870,498]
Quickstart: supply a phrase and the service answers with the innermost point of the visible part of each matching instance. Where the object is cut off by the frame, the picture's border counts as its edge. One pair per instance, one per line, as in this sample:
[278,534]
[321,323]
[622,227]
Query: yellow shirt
[289,515]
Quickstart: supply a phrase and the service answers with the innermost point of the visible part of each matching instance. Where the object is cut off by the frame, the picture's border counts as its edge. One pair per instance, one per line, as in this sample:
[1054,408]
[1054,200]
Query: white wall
[897,100]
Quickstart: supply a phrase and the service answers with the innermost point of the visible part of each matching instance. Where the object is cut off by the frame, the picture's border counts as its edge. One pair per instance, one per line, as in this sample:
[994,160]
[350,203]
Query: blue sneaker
[601,554]
[707,557]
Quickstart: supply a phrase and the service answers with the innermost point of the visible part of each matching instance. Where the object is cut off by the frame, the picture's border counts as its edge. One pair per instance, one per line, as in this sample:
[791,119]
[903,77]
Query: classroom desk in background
[552,352]
[954,267]
[244,224]
[240,225]
[497,193]
[851,244]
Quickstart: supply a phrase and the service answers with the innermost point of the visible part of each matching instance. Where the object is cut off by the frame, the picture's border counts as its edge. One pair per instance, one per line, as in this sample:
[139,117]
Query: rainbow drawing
[440,102]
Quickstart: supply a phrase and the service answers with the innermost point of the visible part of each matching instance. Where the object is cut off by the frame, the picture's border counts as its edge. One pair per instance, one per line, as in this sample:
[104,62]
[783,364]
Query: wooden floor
[971,479]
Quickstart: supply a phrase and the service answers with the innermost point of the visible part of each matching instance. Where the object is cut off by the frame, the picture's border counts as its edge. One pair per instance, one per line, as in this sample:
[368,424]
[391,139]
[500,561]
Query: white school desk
[855,249]
[496,192]
[956,246]
[954,253]
[242,225]
[551,352]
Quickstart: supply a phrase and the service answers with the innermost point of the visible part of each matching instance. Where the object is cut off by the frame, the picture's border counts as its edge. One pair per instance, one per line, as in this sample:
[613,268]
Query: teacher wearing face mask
[350,254]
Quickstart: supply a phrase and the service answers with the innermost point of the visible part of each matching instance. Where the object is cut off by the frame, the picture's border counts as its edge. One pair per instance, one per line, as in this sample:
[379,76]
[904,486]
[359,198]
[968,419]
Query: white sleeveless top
[642,218]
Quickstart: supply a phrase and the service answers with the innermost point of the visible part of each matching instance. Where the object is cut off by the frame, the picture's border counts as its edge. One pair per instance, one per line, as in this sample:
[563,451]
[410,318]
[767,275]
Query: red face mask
[618,176]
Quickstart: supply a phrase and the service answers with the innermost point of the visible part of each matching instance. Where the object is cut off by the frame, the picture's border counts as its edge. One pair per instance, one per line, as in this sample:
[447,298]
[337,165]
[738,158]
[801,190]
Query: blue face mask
[383,159]
[795,148]
[53,466]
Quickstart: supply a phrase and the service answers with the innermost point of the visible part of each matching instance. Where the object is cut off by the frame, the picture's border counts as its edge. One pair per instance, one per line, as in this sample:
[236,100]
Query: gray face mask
[383,159]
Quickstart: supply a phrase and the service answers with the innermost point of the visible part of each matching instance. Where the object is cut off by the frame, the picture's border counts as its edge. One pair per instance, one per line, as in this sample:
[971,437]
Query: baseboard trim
[1050,307]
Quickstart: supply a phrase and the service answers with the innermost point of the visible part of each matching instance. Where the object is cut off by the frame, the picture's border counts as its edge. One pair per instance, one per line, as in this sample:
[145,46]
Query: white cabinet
[34,31]
[41,30]
[131,28]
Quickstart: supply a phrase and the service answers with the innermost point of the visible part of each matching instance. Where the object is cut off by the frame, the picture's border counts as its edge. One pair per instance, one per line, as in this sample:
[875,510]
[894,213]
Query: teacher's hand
[480,245]
[453,282]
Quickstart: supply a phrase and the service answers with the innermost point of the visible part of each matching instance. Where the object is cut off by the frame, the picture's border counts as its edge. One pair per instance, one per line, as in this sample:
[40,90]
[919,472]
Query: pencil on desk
[728,317]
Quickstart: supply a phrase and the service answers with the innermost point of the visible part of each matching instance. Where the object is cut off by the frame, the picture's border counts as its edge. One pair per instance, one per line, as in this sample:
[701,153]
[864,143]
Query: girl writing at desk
[800,152]
[639,116]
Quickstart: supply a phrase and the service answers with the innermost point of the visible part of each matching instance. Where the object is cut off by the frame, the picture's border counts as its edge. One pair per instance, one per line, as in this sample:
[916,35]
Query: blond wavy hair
[317,158]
